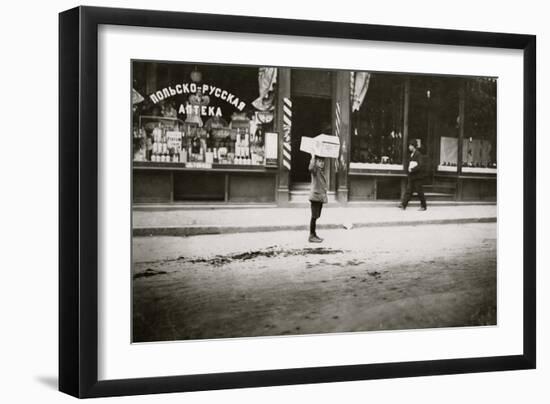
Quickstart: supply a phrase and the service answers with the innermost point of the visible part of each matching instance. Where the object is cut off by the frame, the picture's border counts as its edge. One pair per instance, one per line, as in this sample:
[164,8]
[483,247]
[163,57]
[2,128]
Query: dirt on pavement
[267,284]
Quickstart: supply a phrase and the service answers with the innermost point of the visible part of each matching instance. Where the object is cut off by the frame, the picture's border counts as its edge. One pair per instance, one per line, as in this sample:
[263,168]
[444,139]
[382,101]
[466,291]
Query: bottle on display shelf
[195,145]
[183,156]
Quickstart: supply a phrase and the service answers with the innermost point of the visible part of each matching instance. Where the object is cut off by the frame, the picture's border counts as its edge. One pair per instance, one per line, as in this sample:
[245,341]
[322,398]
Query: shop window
[479,152]
[377,122]
[201,116]
[445,121]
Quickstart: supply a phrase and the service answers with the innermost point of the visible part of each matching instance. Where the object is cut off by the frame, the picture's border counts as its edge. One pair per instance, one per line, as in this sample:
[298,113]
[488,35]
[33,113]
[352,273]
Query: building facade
[231,134]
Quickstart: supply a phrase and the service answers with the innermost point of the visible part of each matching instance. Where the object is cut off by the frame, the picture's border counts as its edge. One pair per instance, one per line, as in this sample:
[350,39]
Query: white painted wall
[28,159]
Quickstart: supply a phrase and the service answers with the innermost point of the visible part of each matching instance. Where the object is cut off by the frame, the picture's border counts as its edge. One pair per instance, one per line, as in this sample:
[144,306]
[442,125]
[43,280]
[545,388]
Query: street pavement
[187,222]
[276,283]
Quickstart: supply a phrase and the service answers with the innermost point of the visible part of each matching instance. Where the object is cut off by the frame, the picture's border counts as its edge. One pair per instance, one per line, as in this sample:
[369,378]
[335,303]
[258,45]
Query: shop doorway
[311,116]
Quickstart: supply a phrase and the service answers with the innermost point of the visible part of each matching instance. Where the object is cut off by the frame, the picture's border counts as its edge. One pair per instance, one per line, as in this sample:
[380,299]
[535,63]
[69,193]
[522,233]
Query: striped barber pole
[351,85]
[338,119]
[287,127]
[337,127]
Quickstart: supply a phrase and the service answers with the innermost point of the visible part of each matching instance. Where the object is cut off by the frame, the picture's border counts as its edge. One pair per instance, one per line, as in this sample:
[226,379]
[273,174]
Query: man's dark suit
[416,178]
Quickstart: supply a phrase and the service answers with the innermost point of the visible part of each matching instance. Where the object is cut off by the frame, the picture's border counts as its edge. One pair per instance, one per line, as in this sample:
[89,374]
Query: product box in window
[322,145]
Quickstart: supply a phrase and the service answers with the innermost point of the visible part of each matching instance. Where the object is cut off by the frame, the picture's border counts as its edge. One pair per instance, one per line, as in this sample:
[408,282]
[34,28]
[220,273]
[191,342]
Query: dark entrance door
[311,116]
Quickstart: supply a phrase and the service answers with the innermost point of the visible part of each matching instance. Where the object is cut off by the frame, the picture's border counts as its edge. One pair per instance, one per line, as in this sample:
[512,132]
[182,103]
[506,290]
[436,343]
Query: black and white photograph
[272,200]
[275,202]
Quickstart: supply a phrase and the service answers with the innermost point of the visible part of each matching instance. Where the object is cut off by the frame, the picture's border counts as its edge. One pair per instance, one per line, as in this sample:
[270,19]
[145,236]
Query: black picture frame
[78,201]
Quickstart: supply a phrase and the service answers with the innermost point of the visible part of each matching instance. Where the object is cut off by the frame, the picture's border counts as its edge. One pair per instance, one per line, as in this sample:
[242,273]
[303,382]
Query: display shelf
[376,169]
[479,170]
[376,166]
[145,165]
[447,169]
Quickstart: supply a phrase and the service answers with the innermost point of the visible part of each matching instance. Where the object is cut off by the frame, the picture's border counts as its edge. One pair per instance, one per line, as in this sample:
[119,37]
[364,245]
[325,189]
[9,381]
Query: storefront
[199,136]
[231,134]
[447,117]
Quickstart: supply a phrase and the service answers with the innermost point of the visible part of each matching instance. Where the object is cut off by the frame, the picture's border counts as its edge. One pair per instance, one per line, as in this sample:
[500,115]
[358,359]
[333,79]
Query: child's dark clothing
[316,208]
[317,195]
[318,192]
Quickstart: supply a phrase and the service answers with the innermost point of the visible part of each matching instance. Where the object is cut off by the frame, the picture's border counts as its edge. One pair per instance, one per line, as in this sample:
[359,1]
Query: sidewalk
[187,222]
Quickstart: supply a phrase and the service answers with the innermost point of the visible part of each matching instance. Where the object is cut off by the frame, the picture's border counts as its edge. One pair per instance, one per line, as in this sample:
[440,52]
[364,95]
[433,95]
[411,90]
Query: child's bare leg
[315,213]
[312,224]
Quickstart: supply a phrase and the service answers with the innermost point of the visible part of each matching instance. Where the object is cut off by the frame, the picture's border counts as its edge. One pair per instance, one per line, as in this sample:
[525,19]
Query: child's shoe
[315,239]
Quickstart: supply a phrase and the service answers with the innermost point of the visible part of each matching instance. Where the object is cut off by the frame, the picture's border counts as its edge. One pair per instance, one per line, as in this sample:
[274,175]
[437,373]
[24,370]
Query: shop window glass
[377,126]
[479,152]
[445,123]
[220,119]
[479,141]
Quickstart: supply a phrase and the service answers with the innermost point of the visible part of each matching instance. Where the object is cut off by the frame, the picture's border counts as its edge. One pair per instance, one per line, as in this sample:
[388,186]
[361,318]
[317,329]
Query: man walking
[416,175]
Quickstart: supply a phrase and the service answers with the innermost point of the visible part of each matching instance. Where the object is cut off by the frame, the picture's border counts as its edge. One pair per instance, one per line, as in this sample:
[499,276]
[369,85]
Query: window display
[171,140]
[478,145]
[479,153]
[448,154]
[377,121]
[196,124]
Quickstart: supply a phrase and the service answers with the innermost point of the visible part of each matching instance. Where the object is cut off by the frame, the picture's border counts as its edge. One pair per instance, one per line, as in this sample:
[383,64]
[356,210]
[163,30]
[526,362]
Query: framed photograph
[251,202]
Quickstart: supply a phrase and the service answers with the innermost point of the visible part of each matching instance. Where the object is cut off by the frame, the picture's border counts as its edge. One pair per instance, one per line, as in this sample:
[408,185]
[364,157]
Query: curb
[149,207]
[185,231]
